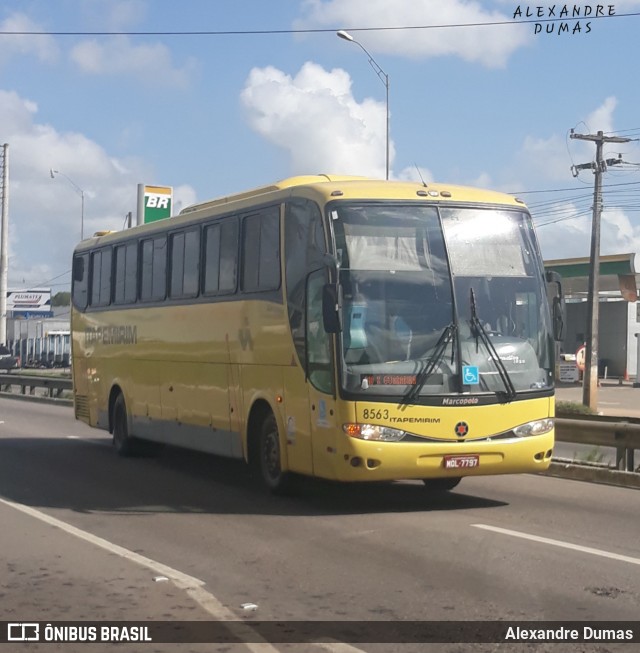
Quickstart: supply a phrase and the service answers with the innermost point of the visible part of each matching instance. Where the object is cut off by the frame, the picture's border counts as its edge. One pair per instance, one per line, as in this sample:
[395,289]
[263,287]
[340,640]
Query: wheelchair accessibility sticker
[470,375]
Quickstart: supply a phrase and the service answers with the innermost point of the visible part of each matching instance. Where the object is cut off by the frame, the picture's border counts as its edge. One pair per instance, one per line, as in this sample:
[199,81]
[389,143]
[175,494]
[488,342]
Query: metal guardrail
[55,385]
[620,433]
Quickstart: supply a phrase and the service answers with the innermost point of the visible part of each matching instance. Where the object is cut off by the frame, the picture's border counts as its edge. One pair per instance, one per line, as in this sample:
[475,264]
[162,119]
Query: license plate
[461,462]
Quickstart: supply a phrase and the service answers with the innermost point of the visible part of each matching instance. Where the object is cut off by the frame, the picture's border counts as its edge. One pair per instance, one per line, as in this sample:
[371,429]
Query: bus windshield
[441,300]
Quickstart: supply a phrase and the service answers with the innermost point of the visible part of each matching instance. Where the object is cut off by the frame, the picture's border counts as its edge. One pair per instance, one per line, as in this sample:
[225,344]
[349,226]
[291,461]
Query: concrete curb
[593,474]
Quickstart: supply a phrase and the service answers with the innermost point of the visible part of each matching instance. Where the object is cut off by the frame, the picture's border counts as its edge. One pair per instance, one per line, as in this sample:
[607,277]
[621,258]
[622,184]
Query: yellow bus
[337,327]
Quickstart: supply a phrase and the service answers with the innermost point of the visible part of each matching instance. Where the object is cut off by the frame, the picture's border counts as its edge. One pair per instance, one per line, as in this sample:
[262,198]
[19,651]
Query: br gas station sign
[154,203]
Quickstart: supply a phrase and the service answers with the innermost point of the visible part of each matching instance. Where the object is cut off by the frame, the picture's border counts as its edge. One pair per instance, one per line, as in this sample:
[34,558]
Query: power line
[46,283]
[268,32]
[575,188]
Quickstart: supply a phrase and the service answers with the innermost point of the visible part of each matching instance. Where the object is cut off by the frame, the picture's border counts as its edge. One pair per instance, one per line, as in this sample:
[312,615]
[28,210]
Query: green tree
[61,299]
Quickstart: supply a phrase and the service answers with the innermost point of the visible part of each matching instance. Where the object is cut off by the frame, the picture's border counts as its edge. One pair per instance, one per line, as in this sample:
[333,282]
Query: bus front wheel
[441,484]
[270,458]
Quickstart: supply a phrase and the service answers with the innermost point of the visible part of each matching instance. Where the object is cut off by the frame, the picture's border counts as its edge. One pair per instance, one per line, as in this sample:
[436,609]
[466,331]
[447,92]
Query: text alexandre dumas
[563,19]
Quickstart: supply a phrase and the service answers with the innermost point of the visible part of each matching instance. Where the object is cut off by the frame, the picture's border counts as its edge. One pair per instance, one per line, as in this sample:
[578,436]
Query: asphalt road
[614,398]
[86,535]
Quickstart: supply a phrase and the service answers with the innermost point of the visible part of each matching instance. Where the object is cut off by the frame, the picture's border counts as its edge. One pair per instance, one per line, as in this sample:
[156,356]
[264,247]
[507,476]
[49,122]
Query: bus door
[320,375]
[309,380]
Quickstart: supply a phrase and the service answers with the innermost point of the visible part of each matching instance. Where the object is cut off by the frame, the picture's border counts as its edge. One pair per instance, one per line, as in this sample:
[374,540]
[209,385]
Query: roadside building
[619,320]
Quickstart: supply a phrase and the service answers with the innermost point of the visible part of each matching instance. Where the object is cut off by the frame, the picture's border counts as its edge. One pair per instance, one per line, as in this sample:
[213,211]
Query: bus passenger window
[185,263]
[80,281]
[126,265]
[154,264]
[261,251]
[101,277]
[228,256]
[211,259]
[220,257]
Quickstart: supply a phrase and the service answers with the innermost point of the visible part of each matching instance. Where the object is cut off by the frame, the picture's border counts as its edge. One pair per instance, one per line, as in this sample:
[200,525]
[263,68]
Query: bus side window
[153,286]
[220,257]
[101,277]
[185,263]
[80,281]
[261,251]
[126,265]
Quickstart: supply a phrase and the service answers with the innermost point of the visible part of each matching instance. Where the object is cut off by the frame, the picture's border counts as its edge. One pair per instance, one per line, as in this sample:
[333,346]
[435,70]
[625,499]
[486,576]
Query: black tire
[441,484]
[270,458]
[122,442]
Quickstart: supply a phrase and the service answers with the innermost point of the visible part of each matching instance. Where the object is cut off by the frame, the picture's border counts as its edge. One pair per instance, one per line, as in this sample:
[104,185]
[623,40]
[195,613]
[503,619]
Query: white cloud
[545,162]
[602,118]
[490,46]
[562,236]
[45,213]
[151,63]
[411,173]
[43,47]
[549,159]
[113,15]
[315,118]
[545,158]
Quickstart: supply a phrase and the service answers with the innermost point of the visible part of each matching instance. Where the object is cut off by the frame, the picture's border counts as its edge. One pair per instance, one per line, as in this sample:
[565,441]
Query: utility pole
[4,243]
[590,377]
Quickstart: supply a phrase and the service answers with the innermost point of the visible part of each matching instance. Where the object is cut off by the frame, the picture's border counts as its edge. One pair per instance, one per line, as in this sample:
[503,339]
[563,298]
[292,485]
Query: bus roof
[290,182]
[351,187]
[322,188]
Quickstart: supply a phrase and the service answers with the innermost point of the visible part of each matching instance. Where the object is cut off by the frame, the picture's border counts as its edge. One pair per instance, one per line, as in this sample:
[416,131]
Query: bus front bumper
[363,460]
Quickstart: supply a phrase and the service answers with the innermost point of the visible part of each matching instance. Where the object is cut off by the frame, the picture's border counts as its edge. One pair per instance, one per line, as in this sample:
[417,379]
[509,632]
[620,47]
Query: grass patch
[594,456]
[573,408]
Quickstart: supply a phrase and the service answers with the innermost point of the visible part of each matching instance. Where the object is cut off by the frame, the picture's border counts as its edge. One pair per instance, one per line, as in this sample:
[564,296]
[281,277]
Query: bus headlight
[538,427]
[373,432]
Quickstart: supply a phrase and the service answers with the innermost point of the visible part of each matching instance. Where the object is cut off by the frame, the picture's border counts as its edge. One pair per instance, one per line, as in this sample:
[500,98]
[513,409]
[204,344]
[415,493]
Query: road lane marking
[339,647]
[102,442]
[560,543]
[194,587]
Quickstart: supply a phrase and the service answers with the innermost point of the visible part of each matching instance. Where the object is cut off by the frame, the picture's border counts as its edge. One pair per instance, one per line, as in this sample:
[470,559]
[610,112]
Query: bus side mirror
[331,308]
[557,316]
[554,293]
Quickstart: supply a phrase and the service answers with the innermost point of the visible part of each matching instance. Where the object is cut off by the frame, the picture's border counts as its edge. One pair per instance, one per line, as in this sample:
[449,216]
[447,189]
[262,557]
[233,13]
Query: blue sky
[214,114]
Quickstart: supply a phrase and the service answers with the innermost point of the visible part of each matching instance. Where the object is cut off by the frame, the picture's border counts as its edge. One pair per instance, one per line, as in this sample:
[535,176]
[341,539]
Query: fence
[54,385]
[51,349]
[622,434]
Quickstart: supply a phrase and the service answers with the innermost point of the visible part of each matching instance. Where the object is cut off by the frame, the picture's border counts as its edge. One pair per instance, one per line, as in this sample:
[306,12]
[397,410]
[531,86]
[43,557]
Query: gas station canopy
[617,275]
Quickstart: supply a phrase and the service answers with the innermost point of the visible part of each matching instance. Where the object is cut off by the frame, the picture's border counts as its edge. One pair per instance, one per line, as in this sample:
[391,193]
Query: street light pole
[4,243]
[80,192]
[384,78]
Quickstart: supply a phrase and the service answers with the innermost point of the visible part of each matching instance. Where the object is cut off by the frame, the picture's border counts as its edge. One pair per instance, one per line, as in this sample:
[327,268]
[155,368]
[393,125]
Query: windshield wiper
[447,335]
[479,332]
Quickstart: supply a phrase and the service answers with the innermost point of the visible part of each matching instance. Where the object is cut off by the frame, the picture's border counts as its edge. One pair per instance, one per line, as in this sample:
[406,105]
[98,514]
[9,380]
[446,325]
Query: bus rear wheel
[441,484]
[270,458]
[122,442]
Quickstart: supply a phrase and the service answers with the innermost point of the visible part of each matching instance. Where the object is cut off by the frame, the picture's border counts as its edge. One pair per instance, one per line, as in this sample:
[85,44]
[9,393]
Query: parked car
[7,360]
